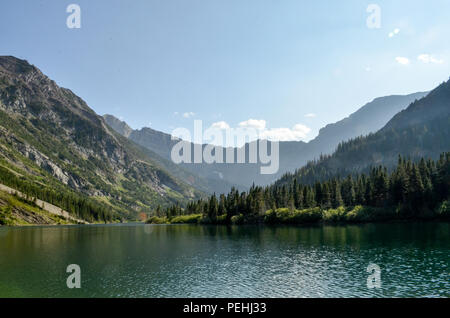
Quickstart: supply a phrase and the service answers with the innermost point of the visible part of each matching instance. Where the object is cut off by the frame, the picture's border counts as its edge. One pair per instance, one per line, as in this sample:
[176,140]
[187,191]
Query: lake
[136,260]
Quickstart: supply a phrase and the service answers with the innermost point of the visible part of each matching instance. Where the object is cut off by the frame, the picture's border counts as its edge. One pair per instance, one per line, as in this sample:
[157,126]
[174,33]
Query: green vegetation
[158,220]
[420,131]
[193,218]
[80,206]
[181,219]
[286,216]
[15,210]
[94,174]
[355,214]
[54,147]
[444,209]
[413,190]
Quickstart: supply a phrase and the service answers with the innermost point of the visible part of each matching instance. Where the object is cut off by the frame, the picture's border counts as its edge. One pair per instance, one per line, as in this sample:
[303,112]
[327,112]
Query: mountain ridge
[419,131]
[293,154]
[51,134]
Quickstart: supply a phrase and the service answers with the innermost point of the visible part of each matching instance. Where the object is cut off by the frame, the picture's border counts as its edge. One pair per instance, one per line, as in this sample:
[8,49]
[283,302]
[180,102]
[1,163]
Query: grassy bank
[182,219]
[15,210]
[356,214]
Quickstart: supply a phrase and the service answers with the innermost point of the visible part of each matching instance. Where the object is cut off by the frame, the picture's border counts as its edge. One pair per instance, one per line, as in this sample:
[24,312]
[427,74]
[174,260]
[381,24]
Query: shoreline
[284,216]
[318,224]
[314,216]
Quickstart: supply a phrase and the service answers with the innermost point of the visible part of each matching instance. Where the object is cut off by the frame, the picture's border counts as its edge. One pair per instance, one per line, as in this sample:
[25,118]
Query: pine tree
[326,196]
[348,193]
[337,197]
[309,198]
[380,187]
[222,209]
[213,208]
[416,188]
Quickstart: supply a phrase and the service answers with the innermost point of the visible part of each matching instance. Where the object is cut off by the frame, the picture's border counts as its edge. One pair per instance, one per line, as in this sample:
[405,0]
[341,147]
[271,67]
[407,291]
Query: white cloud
[188,114]
[427,58]
[368,69]
[220,125]
[310,115]
[396,31]
[298,132]
[402,60]
[175,113]
[259,124]
[253,129]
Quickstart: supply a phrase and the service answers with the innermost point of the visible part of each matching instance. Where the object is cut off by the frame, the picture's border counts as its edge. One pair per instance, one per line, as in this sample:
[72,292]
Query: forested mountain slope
[420,131]
[54,147]
[293,154]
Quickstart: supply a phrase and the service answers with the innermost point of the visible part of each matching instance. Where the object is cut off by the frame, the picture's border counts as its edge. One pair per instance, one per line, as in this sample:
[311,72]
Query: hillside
[420,131]
[53,146]
[400,172]
[368,119]
[293,154]
[18,209]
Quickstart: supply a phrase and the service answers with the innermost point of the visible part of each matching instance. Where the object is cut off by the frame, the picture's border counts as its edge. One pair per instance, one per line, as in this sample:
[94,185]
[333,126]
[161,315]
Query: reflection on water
[218,261]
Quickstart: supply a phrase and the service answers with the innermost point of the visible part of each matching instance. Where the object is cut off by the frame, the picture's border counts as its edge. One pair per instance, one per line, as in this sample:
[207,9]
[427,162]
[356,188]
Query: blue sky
[280,63]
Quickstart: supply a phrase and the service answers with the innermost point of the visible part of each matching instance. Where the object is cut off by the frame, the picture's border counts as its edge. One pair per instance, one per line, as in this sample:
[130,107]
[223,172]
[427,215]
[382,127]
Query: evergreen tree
[326,196]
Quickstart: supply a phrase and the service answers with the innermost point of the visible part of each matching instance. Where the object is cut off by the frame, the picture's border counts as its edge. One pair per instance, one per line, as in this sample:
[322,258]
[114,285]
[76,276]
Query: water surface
[135,260]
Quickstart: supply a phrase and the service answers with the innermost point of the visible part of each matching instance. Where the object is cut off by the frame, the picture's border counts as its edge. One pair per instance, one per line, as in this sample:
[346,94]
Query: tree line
[76,204]
[411,187]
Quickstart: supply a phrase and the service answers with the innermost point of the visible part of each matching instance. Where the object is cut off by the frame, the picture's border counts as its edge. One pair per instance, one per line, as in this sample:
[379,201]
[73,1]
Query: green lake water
[136,260]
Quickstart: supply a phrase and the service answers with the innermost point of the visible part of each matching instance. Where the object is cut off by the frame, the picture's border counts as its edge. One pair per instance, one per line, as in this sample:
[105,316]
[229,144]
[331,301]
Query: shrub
[157,220]
[310,215]
[270,217]
[287,216]
[444,209]
[221,219]
[334,215]
[237,219]
[191,219]
[366,214]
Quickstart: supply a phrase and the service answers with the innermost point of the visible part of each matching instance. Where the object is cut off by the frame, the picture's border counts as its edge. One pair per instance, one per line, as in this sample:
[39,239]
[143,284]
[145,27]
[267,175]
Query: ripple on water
[196,261]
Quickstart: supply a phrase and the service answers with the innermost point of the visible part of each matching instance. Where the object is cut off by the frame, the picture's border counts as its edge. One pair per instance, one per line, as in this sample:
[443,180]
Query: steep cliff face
[293,154]
[120,126]
[48,130]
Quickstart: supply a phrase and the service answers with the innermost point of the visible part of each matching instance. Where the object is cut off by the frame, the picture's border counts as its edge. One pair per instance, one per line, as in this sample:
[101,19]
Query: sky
[286,67]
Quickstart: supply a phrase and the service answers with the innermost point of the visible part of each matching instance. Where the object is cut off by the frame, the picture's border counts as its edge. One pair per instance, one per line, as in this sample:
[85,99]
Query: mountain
[368,119]
[118,125]
[54,147]
[293,154]
[159,142]
[421,130]
[400,172]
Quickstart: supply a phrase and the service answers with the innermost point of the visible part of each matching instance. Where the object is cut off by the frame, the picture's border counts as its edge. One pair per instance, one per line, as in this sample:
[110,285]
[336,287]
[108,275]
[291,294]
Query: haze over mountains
[420,131]
[293,154]
[55,148]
